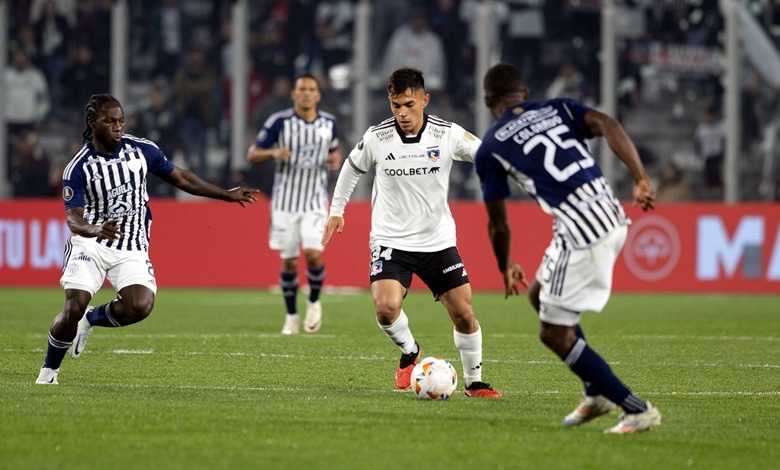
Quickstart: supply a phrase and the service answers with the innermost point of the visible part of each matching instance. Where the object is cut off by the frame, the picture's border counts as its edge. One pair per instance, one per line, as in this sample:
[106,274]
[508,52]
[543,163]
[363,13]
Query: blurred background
[694,82]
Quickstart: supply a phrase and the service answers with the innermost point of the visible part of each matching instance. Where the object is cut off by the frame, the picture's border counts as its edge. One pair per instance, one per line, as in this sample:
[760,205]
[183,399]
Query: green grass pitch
[208,382]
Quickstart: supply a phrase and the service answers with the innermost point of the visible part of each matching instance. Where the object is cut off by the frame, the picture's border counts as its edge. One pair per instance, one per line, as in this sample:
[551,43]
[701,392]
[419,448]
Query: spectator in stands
[25,41]
[673,187]
[294,24]
[267,46]
[26,95]
[170,29]
[83,78]
[258,88]
[64,8]
[414,45]
[387,16]
[29,169]
[97,30]
[568,83]
[446,23]
[158,123]
[333,32]
[52,37]
[710,135]
[195,88]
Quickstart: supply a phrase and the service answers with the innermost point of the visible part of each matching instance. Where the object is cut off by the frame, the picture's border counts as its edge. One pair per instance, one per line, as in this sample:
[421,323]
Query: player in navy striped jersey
[412,229]
[542,147]
[104,189]
[304,142]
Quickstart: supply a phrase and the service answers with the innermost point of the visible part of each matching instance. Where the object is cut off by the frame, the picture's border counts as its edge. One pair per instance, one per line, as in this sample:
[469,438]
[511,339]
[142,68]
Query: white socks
[400,334]
[470,347]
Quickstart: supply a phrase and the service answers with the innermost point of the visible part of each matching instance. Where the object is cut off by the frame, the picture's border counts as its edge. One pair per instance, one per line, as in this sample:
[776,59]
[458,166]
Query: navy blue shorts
[441,271]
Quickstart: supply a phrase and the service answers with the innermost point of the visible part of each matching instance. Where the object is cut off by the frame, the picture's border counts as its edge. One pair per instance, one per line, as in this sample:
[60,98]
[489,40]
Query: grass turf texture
[209,382]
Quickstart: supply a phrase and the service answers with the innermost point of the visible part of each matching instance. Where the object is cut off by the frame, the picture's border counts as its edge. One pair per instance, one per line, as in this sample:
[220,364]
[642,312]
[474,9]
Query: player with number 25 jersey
[555,167]
[541,146]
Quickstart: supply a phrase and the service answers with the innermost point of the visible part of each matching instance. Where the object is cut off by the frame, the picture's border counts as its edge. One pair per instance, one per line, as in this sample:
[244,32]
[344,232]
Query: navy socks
[598,376]
[315,277]
[289,284]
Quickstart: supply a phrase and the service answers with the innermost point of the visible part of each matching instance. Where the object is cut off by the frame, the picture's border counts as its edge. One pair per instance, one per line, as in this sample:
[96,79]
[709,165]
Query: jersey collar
[414,139]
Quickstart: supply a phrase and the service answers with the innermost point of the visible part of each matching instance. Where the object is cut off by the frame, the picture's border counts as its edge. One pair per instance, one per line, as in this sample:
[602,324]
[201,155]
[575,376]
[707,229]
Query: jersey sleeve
[73,188]
[357,164]
[269,134]
[492,175]
[362,156]
[576,111]
[157,162]
[464,144]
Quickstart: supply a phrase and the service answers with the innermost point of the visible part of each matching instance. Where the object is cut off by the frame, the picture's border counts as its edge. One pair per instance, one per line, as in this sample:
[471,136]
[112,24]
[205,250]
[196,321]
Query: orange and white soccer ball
[434,378]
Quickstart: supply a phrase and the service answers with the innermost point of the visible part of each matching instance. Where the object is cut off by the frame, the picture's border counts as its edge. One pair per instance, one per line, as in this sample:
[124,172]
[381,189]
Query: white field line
[497,335]
[532,362]
[324,391]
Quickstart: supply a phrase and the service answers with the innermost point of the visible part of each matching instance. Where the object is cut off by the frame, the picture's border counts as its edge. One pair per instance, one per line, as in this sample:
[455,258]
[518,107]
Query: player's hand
[282,154]
[644,195]
[334,161]
[243,195]
[108,230]
[334,224]
[512,275]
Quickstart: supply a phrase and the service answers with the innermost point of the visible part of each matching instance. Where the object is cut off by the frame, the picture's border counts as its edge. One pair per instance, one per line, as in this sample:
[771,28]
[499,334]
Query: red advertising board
[676,248]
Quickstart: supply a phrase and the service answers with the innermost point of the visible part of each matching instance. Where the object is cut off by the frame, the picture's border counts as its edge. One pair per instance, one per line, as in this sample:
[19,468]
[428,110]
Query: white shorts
[289,230]
[575,280]
[87,264]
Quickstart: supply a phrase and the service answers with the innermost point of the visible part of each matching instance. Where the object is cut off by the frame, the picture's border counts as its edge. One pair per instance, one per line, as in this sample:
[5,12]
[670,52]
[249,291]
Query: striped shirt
[300,182]
[542,147]
[114,187]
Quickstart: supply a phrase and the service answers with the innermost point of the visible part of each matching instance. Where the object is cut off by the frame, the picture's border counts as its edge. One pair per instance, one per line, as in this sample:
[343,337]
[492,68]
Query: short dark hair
[403,79]
[503,79]
[91,111]
[307,75]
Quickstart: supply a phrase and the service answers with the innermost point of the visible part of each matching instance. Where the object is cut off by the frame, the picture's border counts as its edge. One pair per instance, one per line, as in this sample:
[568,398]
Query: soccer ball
[433,378]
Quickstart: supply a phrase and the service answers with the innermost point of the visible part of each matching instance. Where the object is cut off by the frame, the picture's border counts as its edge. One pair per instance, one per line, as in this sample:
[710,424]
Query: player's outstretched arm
[622,145]
[190,182]
[335,223]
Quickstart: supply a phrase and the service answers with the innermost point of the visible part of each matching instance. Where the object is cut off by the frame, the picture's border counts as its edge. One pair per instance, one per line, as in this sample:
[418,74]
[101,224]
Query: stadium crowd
[179,71]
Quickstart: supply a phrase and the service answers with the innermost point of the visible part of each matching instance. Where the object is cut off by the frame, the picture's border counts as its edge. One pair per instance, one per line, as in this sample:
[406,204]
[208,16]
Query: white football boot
[313,319]
[590,408]
[291,325]
[637,422]
[48,376]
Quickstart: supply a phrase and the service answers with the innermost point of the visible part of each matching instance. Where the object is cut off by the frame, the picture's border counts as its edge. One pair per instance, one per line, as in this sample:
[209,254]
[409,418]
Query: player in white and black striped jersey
[304,142]
[542,147]
[412,228]
[104,189]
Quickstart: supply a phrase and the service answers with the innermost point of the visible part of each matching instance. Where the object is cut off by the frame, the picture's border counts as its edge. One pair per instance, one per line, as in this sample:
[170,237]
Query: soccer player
[412,229]
[304,142]
[542,147]
[104,188]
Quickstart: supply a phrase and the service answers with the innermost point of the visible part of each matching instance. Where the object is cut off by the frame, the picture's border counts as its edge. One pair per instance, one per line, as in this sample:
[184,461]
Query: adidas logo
[390,157]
